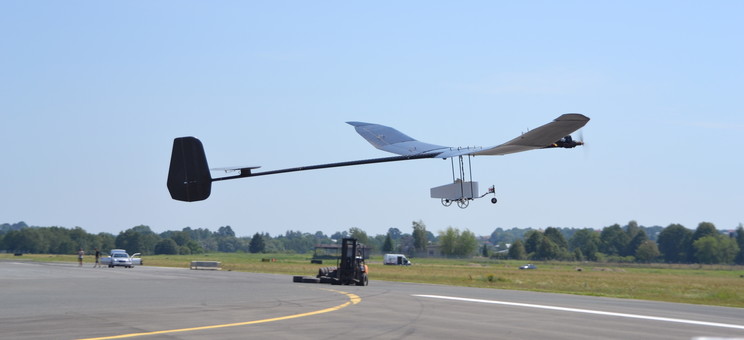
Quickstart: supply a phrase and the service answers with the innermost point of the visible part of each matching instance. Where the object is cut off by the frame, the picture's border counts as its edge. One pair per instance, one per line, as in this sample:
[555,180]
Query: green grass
[697,284]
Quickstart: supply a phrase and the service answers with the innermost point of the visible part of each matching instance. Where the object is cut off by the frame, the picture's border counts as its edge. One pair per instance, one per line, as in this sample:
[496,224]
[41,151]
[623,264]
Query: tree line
[631,243]
[615,243]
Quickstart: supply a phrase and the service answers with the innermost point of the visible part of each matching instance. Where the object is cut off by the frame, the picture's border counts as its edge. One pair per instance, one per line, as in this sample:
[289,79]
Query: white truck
[119,257]
[396,260]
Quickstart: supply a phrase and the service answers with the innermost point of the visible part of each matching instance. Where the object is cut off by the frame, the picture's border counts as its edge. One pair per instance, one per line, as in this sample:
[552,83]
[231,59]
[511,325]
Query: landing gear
[491,190]
[463,203]
[462,189]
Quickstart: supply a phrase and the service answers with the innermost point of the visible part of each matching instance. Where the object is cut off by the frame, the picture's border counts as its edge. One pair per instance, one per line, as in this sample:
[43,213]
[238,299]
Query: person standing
[80,257]
[98,256]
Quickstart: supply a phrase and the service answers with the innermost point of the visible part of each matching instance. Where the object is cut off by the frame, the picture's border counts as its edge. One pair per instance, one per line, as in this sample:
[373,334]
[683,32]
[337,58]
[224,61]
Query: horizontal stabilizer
[244,170]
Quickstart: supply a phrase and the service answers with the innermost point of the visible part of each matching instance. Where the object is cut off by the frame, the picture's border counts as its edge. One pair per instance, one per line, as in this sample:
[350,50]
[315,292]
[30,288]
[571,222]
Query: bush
[166,247]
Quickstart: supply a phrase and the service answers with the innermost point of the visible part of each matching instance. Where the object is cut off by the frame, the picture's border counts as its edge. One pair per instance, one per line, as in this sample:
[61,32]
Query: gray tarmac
[64,301]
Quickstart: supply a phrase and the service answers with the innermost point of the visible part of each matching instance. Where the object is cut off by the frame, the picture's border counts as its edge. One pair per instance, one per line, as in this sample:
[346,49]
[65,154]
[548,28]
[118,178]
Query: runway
[64,301]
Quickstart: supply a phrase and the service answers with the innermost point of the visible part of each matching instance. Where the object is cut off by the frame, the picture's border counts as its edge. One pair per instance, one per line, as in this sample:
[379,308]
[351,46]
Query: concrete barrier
[212,265]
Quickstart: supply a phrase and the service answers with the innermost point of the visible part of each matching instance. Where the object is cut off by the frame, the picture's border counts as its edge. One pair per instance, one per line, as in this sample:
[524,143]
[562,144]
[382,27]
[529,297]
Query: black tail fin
[188,177]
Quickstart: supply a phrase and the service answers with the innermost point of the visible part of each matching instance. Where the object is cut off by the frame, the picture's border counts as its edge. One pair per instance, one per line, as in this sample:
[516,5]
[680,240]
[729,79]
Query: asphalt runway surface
[64,301]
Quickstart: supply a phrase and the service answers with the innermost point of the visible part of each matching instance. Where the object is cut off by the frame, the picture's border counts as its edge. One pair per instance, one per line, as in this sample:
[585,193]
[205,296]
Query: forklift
[350,268]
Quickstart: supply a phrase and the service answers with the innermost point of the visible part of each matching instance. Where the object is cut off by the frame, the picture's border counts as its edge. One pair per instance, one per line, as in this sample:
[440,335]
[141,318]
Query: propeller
[581,142]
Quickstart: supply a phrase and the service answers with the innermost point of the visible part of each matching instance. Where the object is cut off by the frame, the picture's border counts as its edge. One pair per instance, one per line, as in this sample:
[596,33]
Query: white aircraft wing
[391,140]
[541,137]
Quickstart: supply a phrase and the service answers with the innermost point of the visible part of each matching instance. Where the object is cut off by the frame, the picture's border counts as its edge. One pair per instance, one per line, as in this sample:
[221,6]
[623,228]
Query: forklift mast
[348,266]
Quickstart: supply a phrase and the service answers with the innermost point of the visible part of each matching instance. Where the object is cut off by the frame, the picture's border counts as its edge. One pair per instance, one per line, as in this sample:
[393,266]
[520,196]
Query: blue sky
[93,93]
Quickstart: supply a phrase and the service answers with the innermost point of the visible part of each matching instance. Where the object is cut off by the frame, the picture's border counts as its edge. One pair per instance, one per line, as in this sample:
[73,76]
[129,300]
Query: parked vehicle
[350,269]
[120,258]
[528,266]
[396,259]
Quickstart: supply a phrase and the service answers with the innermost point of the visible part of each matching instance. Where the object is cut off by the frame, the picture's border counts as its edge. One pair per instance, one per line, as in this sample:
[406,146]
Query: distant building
[432,250]
[333,251]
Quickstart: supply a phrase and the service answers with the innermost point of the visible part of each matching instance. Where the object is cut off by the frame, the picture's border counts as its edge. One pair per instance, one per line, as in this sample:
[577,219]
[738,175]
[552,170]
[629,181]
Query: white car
[120,258]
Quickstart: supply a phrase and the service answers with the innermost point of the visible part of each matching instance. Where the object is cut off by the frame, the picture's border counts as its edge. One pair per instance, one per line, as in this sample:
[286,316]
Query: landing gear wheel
[446,202]
[494,200]
[463,203]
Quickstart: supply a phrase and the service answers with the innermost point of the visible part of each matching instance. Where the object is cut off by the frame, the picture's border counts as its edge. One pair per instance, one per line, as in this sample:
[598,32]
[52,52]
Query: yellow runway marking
[353,300]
